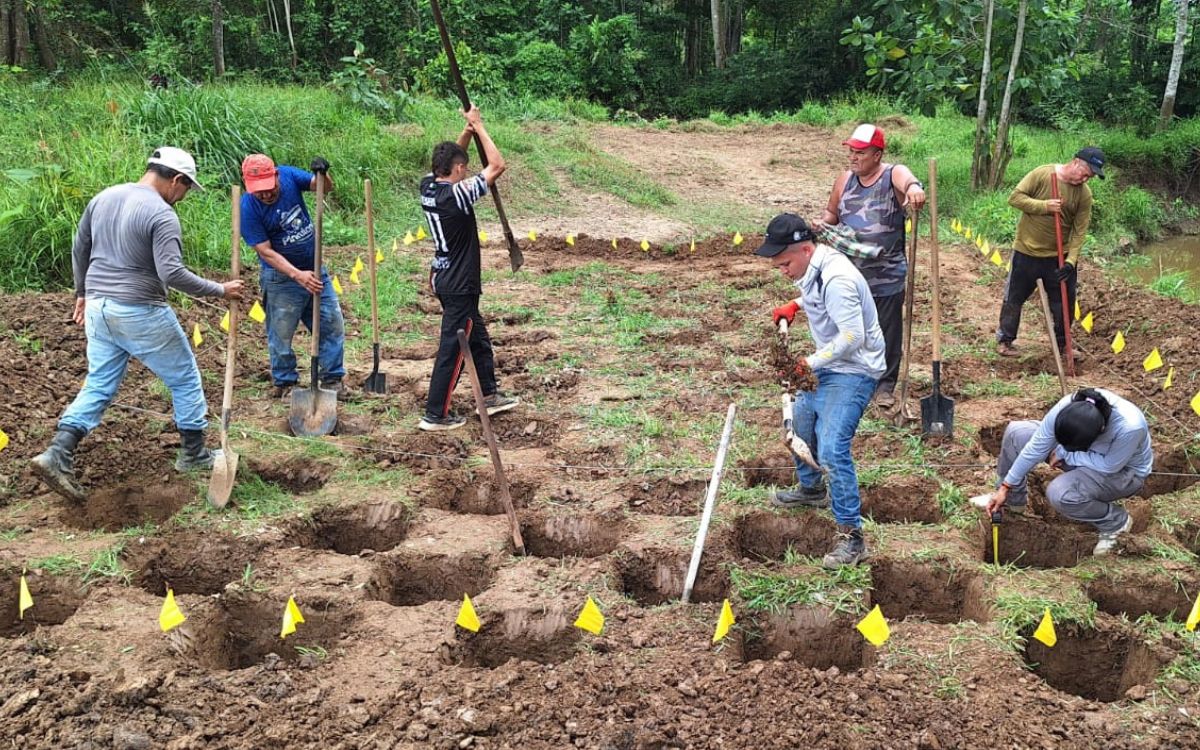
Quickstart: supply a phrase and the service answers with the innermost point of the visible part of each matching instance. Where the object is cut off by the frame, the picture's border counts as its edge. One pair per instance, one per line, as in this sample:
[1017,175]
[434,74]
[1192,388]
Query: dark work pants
[459,311]
[891,320]
[1021,283]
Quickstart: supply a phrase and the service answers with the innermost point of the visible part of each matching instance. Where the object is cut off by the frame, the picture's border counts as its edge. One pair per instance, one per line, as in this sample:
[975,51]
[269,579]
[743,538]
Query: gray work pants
[1079,493]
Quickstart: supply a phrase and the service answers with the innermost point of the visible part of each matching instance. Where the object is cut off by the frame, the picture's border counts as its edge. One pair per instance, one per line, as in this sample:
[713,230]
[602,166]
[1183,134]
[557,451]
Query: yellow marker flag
[3,440]
[337,285]
[395,246]
[724,622]
[1077,310]
[1196,403]
[291,618]
[614,243]
[874,627]
[693,244]
[1008,265]
[408,238]
[737,239]
[967,233]
[985,248]
[1088,321]
[979,242]
[532,236]
[645,246]
[24,600]
[996,259]
[1194,618]
[197,339]
[169,616]
[1118,343]
[257,313]
[467,617]
[421,233]
[1166,383]
[590,618]
[1153,360]
[378,255]
[353,279]
[1045,631]
[358,265]
[571,240]
[225,322]
[908,226]
[483,236]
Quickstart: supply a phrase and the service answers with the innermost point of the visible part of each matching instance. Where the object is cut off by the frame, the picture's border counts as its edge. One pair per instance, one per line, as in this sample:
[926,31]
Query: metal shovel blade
[377,381]
[220,484]
[313,412]
[937,415]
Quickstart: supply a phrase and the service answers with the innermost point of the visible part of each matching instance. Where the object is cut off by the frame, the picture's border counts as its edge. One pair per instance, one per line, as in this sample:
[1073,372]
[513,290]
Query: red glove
[801,371]
[785,312]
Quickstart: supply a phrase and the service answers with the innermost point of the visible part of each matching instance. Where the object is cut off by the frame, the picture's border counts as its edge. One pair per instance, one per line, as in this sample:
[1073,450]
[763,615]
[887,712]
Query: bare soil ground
[625,360]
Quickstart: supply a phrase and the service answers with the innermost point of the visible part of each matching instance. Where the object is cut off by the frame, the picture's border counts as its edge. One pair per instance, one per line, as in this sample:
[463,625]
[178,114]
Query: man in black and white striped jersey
[448,196]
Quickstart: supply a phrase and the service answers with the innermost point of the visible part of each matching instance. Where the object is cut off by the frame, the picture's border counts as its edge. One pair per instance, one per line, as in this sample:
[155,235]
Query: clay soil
[380,530]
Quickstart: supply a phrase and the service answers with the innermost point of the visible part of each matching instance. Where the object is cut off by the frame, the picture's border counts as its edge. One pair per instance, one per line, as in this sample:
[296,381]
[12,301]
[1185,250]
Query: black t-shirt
[449,209]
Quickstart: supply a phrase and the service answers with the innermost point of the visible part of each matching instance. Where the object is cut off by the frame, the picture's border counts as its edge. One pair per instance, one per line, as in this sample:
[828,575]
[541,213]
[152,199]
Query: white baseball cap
[179,160]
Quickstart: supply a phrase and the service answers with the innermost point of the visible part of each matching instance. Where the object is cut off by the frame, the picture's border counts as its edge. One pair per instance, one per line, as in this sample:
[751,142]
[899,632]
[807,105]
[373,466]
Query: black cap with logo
[784,230]
[1094,158]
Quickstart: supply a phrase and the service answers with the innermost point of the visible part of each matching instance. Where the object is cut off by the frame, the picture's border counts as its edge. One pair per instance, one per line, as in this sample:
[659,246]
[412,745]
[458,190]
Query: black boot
[56,465]
[193,455]
[850,549]
[812,497]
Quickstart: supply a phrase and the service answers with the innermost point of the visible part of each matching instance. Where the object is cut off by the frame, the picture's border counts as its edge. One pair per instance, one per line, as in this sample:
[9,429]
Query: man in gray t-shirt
[128,252]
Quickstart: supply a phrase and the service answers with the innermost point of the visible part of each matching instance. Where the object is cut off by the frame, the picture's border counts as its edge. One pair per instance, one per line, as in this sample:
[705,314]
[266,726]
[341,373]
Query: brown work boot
[850,549]
[1007,349]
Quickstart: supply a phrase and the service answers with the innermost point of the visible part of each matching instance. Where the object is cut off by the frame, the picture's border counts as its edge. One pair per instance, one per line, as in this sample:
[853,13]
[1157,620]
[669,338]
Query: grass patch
[106,565]
[254,498]
[60,564]
[841,590]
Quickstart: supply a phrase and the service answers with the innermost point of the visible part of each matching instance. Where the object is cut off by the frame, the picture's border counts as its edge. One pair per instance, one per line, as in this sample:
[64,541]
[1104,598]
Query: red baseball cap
[865,136]
[258,172]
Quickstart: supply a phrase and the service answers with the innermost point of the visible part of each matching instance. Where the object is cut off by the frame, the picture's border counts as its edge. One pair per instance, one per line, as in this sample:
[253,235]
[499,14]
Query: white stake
[709,501]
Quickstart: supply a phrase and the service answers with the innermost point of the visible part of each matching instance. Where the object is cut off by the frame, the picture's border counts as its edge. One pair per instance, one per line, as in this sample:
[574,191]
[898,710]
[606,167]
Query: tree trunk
[718,35]
[218,39]
[5,33]
[1167,112]
[1144,19]
[20,33]
[287,16]
[41,35]
[735,18]
[1001,151]
[979,157]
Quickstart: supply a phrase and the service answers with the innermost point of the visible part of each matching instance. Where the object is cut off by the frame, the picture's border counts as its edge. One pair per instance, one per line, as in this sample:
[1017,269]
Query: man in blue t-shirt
[275,223]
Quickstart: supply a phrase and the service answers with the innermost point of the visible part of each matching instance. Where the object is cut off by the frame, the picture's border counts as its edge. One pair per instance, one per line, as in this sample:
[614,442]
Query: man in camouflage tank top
[871,198]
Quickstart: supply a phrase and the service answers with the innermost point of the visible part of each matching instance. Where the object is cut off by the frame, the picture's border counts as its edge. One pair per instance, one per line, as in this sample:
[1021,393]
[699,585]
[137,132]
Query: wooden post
[709,501]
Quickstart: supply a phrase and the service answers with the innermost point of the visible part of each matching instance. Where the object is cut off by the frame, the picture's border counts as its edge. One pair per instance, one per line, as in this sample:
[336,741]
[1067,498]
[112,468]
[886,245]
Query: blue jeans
[117,331]
[288,304]
[827,419]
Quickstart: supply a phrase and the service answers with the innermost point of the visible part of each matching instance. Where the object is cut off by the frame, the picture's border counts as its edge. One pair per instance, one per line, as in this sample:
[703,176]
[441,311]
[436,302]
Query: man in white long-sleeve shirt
[1102,444]
[847,363]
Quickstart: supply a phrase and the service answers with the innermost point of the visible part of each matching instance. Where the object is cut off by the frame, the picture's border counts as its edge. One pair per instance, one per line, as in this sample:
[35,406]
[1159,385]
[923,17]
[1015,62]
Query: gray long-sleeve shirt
[841,316]
[129,247]
[1125,442]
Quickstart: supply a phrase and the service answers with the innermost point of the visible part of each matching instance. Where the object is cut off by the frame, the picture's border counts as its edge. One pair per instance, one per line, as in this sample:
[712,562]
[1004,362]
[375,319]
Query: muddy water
[1169,256]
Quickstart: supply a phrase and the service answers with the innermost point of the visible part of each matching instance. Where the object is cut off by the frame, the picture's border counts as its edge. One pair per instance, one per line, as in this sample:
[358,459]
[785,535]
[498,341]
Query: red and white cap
[865,136]
[258,172]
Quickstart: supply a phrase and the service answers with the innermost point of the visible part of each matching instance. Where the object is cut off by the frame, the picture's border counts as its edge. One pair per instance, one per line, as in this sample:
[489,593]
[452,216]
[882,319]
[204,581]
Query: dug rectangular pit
[656,575]
[1174,470]
[350,529]
[1028,541]
[1160,594]
[189,562]
[244,629]
[903,499]
[772,470]
[815,636]
[55,598]
[546,637]
[406,579]
[116,508]
[764,535]
[1099,664]
[934,592]
[667,496]
[296,475]
[459,492]
[575,535]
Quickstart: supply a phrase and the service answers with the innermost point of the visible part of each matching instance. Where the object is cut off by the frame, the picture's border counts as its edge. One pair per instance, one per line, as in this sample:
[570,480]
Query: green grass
[1176,286]
[253,498]
[60,564]
[106,565]
[840,590]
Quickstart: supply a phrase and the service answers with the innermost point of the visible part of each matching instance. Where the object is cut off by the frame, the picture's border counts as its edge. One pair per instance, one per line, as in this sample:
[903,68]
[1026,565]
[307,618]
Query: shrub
[543,69]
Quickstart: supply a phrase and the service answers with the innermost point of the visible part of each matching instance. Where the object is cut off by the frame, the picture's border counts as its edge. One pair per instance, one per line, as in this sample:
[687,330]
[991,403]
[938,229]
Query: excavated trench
[667,496]
[55,598]
[244,629]
[546,637]
[765,535]
[577,535]
[406,579]
[350,529]
[1028,541]
[1099,664]
[116,508]
[815,636]
[903,499]
[906,588]
[457,491]
[1159,594]
[189,562]
[296,475]
[768,470]
[657,575]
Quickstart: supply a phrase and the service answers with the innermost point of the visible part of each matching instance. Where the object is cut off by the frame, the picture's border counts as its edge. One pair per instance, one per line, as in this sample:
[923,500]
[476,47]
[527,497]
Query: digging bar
[902,414]
[1062,285]
[220,484]
[794,442]
[376,381]
[314,409]
[1062,375]
[710,500]
[490,436]
[937,411]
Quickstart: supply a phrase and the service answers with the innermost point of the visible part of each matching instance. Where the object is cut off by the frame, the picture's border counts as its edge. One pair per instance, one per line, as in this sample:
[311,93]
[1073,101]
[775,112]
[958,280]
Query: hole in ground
[406,579]
[190,562]
[245,629]
[522,634]
[667,496]
[579,535]
[1174,460]
[763,535]
[655,576]
[116,508]
[349,530]
[816,637]
[455,491]
[906,588]
[295,474]
[1155,593]
[1029,541]
[991,437]
[55,598]
[1097,664]
[903,499]
[772,470]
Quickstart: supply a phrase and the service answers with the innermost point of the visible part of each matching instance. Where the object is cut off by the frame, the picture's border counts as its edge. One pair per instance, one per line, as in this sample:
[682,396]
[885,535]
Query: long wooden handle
[933,262]
[1062,285]
[371,263]
[316,321]
[1062,376]
[235,254]
[710,500]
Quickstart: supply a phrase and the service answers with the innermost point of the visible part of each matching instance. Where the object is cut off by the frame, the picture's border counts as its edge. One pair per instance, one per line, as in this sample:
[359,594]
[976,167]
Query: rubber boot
[193,455]
[56,465]
[850,549]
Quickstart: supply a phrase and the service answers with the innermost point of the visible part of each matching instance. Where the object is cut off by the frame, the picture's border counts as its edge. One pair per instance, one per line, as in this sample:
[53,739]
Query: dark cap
[1094,158]
[784,230]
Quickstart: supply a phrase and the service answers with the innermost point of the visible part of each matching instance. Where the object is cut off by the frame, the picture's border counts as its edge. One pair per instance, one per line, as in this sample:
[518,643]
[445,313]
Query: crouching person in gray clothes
[1101,443]
[128,251]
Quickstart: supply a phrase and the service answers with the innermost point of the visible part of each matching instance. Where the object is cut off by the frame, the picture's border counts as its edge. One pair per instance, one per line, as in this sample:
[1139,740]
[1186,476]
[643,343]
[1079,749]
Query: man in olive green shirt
[1036,255]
